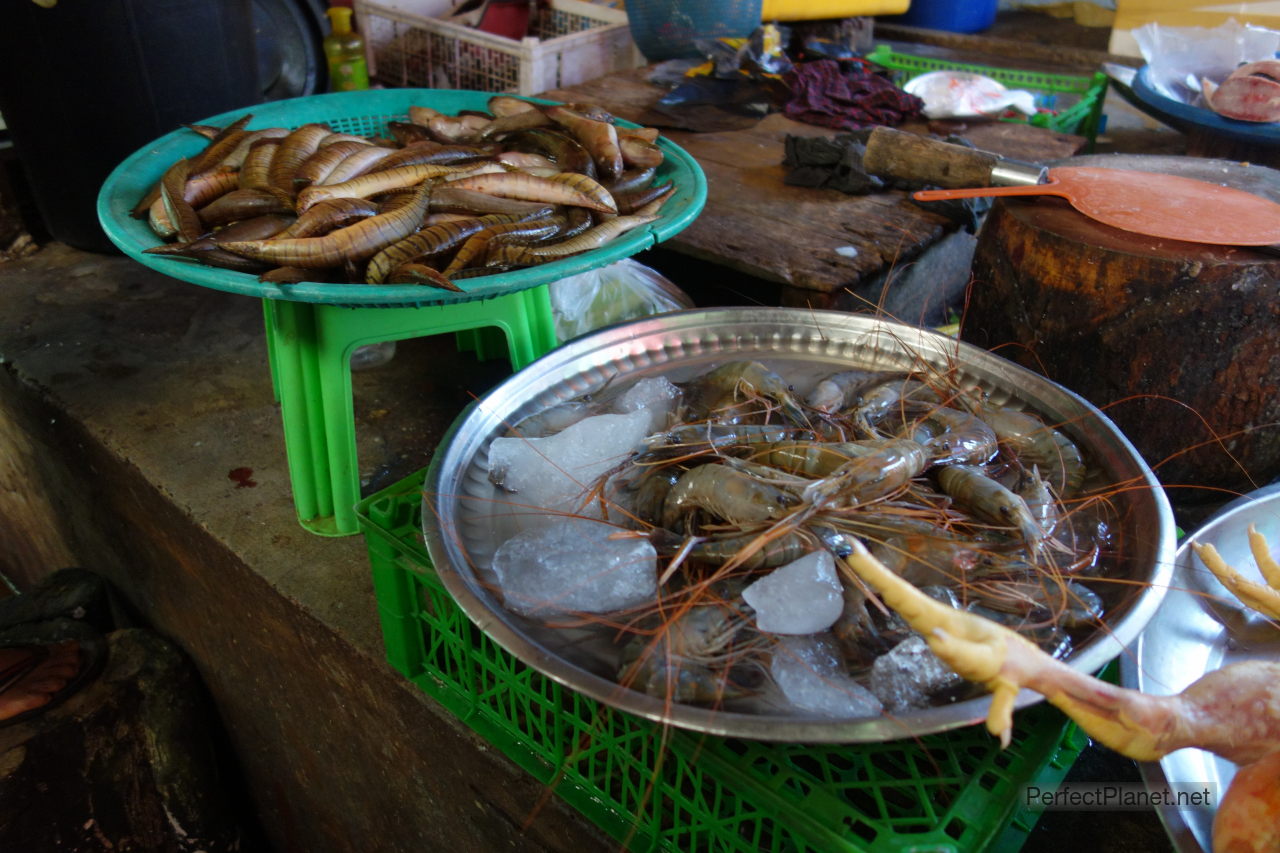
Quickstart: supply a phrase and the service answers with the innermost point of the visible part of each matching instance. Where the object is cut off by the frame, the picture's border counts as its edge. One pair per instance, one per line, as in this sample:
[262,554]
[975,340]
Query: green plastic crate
[1073,102]
[655,788]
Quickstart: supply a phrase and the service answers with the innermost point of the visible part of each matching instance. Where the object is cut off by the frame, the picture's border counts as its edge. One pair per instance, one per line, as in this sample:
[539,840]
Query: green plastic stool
[309,348]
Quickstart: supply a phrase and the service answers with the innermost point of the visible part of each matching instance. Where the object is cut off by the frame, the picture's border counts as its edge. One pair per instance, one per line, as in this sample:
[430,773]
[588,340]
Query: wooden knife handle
[911,157]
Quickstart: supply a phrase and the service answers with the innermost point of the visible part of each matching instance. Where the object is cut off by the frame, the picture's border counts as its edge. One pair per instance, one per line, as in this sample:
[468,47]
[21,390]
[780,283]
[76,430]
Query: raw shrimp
[691,657]
[987,499]
[1068,604]
[690,439]
[1032,442]
[746,551]
[869,478]
[651,490]
[819,458]
[740,484]
[928,559]
[878,400]
[1035,491]
[839,391]
[732,495]
[726,385]
[949,436]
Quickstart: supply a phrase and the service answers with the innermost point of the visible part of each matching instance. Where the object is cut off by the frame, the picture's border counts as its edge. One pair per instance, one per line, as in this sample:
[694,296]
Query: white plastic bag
[963,94]
[623,290]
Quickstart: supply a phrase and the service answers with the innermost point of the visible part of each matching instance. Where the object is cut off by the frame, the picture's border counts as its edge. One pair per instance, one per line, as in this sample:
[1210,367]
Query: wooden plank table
[755,223]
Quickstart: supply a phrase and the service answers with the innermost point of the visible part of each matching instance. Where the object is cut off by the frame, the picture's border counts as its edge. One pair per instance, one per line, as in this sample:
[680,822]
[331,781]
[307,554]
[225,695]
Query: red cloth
[825,93]
[508,18]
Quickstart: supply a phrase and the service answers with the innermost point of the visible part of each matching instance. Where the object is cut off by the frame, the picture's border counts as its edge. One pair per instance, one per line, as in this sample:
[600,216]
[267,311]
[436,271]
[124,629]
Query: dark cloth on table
[830,94]
[835,162]
[830,162]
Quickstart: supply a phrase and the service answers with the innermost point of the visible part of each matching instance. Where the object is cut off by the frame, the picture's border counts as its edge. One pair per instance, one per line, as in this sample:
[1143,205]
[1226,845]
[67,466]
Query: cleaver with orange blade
[1166,206]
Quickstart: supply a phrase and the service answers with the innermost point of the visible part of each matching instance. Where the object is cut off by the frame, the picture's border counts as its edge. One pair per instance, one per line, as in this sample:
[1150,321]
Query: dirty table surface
[756,224]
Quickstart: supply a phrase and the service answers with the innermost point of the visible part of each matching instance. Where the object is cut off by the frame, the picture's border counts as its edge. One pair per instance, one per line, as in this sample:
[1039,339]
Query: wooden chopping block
[1178,343]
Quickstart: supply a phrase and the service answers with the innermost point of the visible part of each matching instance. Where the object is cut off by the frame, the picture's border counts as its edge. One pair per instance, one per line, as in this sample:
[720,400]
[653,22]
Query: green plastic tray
[663,789]
[363,113]
[1073,102]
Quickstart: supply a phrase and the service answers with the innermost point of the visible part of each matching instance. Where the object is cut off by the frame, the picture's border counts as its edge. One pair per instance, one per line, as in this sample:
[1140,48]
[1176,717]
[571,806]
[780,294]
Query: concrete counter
[139,438]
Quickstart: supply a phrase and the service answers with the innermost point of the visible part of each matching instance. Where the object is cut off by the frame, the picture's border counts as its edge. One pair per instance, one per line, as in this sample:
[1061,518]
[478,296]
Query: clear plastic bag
[620,291]
[1178,58]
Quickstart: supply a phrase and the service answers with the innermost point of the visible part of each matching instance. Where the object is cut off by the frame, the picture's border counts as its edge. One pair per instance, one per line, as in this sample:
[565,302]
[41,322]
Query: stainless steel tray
[1199,628]
[802,345]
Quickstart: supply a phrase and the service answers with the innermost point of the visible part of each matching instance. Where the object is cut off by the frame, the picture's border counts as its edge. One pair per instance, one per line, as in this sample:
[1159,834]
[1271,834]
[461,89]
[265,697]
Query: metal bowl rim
[1092,656]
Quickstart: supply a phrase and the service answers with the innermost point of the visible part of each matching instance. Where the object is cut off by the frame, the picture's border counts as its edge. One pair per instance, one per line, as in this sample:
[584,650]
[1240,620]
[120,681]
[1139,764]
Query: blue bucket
[957,16]
[668,29]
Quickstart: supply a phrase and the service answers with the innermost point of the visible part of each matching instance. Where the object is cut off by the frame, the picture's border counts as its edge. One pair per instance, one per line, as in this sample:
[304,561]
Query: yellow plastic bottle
[344,49]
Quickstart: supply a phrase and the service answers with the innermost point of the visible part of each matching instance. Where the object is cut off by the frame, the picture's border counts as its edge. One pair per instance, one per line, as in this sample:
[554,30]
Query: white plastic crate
[574,42]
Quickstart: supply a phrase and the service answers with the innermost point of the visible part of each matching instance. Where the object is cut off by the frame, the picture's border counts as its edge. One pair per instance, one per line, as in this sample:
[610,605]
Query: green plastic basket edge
[1054,751]
[374,515]
[1083,118]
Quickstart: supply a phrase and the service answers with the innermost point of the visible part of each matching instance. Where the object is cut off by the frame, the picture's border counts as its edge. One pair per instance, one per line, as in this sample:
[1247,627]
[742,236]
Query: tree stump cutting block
[1178,343]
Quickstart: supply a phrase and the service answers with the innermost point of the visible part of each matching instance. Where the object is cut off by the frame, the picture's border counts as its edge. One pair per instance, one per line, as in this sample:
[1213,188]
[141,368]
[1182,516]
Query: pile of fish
[440,198]
[703,526]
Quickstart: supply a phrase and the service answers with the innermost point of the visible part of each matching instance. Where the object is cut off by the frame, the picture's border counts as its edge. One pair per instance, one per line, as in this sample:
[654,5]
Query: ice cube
[909,674]
[572,565]
[802,597]
[654,394]
[809,672]
[556,473]
[553,420]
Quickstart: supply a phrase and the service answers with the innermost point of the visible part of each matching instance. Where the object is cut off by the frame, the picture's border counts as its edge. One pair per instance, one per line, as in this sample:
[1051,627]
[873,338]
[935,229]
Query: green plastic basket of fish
[366,113]
[1067,103]
[671,790]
